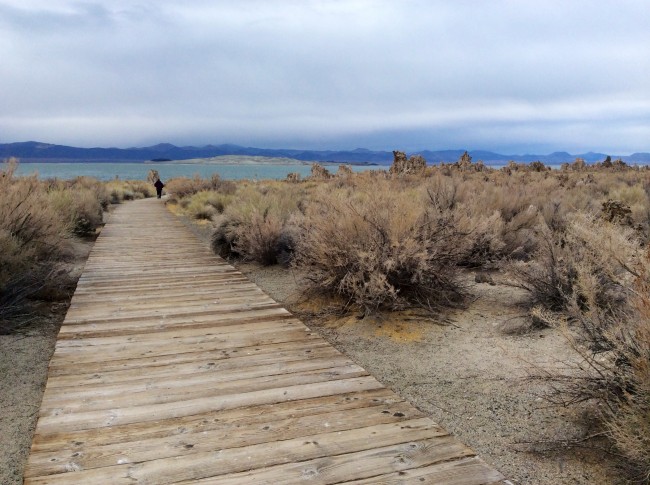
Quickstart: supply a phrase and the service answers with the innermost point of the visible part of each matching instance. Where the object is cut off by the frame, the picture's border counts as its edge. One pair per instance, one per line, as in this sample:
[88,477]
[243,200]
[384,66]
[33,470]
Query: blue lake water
[139,171]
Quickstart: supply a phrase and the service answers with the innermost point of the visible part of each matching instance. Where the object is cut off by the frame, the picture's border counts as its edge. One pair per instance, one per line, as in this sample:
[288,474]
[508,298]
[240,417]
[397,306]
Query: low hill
[44,152]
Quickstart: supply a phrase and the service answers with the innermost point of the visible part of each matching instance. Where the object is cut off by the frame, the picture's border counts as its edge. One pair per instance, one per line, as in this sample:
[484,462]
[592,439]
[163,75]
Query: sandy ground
[464,370]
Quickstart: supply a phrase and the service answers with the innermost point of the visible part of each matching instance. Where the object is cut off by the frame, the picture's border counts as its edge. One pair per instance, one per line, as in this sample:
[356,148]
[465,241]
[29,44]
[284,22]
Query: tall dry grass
[37,219]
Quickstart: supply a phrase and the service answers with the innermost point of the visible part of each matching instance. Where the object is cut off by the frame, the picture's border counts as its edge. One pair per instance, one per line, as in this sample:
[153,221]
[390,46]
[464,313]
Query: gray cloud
[415,74]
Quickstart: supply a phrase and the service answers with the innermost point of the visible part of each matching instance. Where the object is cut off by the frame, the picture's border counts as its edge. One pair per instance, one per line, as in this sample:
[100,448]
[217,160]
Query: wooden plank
[261,320]
[164,346]
[165,389]
[369,464]
[80,420]
[232,460]
[468,471]
[130,327]
[207,438]
[72,368]
[125,326]
[195,364]
[205,309]
[385,400]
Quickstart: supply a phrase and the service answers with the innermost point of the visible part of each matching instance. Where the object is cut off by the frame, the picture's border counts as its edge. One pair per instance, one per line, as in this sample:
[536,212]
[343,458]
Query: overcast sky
[511,76]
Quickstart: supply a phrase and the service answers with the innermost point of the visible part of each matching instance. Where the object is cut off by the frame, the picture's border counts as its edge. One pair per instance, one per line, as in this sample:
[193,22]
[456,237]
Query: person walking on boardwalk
[159,186]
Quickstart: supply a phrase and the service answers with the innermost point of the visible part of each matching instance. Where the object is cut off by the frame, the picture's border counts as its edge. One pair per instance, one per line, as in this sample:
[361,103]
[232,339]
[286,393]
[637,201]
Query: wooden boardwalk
[172,367]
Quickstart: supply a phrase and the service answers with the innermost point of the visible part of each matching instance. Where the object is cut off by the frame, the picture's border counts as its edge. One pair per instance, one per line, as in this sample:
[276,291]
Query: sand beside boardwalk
[466,373]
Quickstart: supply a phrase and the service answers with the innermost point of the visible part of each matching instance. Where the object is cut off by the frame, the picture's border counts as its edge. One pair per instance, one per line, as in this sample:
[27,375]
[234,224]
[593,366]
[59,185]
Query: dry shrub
[293,177]
[79,209]
[518,216]
[584,261]
[121,190]
[91,185]
[613,370]
[628,423]
[180,187]
[205,204]
[381,247]
[31,231]
[36,220]
[344,171]
[481,223]
[258,225]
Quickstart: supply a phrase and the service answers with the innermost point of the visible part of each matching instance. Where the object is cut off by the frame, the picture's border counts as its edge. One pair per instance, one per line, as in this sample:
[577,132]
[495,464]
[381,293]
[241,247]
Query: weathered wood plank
[213,436]
[345,467]
[232,460]
[62,422]
[260,415]
[71,367]
[169,389]
[195,364]
[468,471]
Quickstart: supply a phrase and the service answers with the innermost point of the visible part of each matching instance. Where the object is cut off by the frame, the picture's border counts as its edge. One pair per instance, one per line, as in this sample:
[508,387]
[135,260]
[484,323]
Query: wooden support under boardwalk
[172,367]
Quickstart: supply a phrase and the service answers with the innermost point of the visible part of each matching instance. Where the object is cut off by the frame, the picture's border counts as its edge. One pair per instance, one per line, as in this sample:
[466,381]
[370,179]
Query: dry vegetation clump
[258,223]
[612,376]
[378,247]
[37,218]
[120,190]
[80,209]
[181,187]
[589,277]
[628,420]
[585,262]
[81,202]
[205,204]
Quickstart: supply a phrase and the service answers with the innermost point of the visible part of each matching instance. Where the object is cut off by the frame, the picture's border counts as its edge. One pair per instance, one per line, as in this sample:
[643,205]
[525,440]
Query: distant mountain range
[32,151]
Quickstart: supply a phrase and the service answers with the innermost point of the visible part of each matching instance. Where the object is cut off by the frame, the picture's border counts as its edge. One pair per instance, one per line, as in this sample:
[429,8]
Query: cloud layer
[505,75]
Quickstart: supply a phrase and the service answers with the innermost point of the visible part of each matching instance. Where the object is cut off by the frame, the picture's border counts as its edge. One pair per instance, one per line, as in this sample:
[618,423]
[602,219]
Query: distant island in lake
[33,151]
[231,160]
